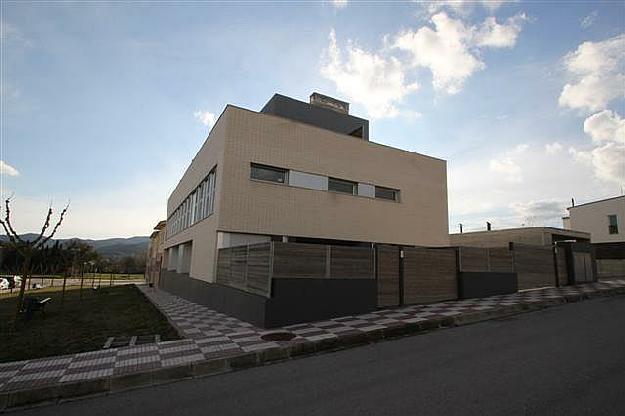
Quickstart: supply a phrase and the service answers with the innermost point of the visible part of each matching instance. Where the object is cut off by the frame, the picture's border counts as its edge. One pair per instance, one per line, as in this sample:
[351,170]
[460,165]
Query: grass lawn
[105,277]
[78,325]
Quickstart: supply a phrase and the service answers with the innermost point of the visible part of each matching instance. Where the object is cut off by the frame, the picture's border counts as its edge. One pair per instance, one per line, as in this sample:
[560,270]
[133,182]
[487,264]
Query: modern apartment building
[603,219]
[155,253]
[300,172]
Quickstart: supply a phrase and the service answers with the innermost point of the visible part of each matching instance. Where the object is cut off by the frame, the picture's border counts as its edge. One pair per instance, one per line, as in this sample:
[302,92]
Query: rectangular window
[194,212]
[386,193]
[269,174]
[205,198]
[211,192]
[613,224]
[200,202]
[343,186]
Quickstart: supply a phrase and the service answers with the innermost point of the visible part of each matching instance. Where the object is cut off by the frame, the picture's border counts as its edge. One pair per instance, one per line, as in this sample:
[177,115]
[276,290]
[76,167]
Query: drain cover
[278,336]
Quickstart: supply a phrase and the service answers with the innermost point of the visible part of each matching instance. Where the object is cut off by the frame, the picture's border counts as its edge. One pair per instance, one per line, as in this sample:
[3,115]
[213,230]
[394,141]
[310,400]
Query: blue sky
[102,102]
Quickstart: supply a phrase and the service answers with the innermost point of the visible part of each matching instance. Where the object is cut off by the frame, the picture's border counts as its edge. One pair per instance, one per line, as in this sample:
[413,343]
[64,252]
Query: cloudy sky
[105,104]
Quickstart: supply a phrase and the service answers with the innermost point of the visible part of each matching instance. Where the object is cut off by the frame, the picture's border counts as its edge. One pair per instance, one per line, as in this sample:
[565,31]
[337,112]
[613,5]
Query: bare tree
[26,248]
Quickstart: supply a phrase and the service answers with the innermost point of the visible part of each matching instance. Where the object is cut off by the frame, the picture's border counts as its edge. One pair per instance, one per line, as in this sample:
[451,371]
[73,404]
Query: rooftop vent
[321,100]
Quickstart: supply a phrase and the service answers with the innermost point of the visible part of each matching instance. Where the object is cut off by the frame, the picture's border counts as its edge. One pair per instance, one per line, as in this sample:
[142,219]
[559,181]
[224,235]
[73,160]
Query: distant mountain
[108,247]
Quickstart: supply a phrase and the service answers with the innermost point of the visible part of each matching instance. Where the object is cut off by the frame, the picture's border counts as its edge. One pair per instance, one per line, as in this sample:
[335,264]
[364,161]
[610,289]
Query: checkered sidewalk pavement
[210,334]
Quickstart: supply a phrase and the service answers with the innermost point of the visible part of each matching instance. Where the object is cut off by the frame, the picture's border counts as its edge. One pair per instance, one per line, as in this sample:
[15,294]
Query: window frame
[344,182]
[395,192]
[276,169]
[613,227]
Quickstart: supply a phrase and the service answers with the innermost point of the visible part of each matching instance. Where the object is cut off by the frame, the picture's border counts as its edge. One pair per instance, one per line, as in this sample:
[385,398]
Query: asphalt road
[568,360]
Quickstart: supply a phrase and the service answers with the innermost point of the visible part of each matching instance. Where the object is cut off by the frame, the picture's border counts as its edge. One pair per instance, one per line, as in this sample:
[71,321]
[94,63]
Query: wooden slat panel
[534,266]
[238,267]
[258,269]
[473,259]
[500,259]
[351,262]
[388,275]
[296,260]
[249,272]
[429,275]
[223,266]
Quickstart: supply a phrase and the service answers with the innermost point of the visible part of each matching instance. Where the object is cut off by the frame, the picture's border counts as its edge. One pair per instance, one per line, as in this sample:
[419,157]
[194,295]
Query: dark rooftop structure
[322,111]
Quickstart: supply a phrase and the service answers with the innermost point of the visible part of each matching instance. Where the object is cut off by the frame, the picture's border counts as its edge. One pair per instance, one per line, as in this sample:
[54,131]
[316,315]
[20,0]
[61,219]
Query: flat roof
[551,229]
[598,201]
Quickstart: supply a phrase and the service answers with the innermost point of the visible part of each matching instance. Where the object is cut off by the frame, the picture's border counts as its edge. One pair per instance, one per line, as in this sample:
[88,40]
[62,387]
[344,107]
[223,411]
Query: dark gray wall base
[234,302]
[482,284]
[293,300]
[304,300]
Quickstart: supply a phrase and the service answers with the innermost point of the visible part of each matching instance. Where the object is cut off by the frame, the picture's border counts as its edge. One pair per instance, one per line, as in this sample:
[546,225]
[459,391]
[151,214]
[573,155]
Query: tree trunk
[20,297]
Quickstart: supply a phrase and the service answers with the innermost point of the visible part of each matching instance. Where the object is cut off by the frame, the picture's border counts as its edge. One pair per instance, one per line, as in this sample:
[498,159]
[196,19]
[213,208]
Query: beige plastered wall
[593,218]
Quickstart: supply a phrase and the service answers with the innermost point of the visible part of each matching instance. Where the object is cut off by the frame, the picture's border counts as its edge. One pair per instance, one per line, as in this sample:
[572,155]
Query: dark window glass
[339,185]
[613,226]
[386,193]
[270,174]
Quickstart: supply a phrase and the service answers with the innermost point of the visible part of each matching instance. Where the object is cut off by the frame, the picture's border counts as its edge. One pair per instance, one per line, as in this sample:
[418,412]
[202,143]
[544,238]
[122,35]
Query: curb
[16,399]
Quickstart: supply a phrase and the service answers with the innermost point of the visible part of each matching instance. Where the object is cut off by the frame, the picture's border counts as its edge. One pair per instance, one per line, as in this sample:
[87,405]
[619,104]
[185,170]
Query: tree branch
[46,224]
[58,224]
[7,219]
[6,230]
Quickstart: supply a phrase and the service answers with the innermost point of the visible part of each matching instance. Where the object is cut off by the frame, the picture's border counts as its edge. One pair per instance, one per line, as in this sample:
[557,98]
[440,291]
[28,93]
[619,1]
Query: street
[566,360]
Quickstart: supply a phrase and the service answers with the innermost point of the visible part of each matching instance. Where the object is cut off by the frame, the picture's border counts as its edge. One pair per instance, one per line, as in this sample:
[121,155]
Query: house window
[386,193]
[269,173]
[613,224]
[343,186]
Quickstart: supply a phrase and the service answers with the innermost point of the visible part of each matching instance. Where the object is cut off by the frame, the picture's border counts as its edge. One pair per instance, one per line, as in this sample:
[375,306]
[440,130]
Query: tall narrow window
[342,186]
[269,173]
[200,202]
[612,224]
[211,194]
[194,211]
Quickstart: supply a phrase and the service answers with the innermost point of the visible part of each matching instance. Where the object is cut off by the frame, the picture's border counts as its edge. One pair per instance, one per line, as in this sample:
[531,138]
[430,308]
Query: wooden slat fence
[534,266]
[251,268]
[483,259]
[246,268]
[429,275]
[387,263]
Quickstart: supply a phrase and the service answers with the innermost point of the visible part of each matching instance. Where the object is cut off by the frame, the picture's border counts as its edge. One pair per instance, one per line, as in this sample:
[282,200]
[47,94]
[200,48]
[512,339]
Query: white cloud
[451,49]
[589,20]
[463,7]
[597,74]
[605,126]
[205,117]
[540,212]
[448,48]
[443,50]
[607,157]
[553,148]
[6,169]
[507,167]
[376,82]
[478,194]
[500,35]
[339,4]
